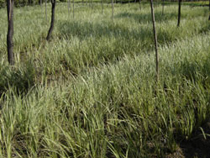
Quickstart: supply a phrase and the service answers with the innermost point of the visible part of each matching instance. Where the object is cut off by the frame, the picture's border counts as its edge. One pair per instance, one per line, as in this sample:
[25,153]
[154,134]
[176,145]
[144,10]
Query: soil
[196,147]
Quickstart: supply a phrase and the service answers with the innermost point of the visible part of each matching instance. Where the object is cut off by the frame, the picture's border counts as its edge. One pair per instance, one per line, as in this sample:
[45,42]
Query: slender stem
[155,41]
[179,13]
[73,8]
[112,10]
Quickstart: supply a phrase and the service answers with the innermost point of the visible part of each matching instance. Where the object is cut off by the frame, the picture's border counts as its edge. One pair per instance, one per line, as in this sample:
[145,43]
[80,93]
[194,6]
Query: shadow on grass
[199,145]
[86,29]
[21,79]
[142,18]
[143,35]
[198,142]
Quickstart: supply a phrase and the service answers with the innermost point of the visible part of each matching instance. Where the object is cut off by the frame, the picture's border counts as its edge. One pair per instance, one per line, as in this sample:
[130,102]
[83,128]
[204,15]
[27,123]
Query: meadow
[91,91]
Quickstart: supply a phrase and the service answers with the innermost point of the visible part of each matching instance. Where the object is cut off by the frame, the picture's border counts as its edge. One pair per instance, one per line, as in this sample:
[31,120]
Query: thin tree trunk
[155,41]
[10,6]
[112,10]
[53,2]
[179,13]
[73,8]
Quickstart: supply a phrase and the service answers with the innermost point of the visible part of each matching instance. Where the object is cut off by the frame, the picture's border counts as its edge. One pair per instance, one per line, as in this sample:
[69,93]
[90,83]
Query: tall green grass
[91,91]
[113,110]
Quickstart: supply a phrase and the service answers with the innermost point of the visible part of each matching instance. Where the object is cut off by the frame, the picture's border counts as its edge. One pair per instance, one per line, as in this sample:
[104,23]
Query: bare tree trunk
[155,40]
[179,13]
[53,2]
[10,6]
[112,10]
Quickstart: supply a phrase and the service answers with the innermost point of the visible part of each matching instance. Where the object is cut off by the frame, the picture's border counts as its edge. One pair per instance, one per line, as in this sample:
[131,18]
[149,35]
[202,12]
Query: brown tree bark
[10,6]
[155,41]
[179,13]
[53,2]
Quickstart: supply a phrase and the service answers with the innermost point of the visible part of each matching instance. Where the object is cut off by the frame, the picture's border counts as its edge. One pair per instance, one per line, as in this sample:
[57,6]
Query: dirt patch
[197,147]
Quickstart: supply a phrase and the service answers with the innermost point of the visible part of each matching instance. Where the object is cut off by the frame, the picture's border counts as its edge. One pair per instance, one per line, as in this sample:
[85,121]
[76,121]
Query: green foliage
[2,3]
[91,91]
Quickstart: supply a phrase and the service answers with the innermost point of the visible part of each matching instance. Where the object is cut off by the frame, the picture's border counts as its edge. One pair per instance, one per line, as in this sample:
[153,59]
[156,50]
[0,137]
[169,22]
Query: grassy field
[90,92]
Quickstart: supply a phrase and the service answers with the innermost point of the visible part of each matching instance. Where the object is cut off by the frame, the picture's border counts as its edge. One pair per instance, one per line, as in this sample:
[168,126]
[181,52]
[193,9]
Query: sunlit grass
[91,91]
